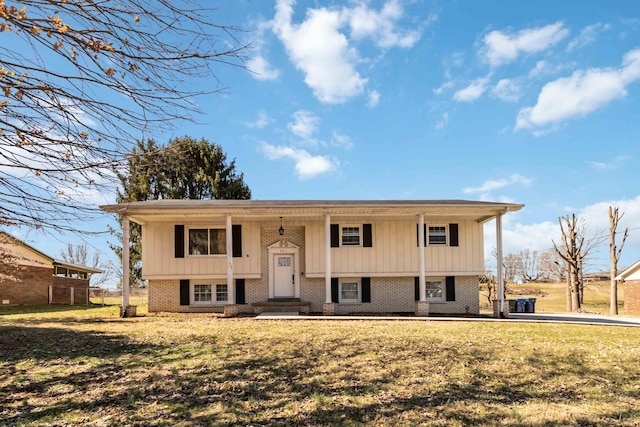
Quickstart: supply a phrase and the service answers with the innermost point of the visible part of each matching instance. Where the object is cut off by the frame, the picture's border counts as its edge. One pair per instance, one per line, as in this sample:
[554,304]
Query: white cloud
[445,86]
[507,90]
[587,36]
[342,141]
[306,165]
[261,69]
[541,68]
[444,120]
[261,122]
[320,48]
[613,164]
[304,125]
[580,94]
[495,184]
[374,99]
[321,51]
[501,48]
[380,25]
[537,236]
[472,92]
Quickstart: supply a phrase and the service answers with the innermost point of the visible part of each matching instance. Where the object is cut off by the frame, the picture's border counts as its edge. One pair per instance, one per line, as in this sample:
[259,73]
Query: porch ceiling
[301,210]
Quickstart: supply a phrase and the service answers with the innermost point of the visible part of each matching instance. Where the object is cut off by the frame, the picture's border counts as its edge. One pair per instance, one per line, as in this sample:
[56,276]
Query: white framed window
[201,294]
[434,288]
[437,235]
[222,294]
[350,236]
[207,241]
[208,294]
[350,290]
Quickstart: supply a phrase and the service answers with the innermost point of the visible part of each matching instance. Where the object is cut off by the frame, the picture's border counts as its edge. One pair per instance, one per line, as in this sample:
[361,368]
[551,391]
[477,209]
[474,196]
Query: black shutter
[335,236]
[367,238]
[453,234]
[335,292]
[418,236]
[236,240]
[451,288]
[416,286]
[184,292]
[366,289]
[179,241]
[240,291]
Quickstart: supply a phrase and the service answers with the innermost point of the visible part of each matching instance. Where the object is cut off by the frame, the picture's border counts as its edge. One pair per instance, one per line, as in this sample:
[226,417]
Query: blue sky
[526,102]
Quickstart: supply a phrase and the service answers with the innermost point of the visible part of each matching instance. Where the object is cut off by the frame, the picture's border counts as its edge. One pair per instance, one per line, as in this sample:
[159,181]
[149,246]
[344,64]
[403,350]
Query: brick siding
[631,297]
[31,286]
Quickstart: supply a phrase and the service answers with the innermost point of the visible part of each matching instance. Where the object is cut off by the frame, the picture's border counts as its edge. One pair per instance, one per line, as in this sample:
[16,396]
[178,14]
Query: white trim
[214,302]
[284,247]
[204,276]
[443,281]
[316,275]
[327,259]
[350,225]
[358,282]
[499,259]
[446,235]
[421,272]
[230,288]
[208,227]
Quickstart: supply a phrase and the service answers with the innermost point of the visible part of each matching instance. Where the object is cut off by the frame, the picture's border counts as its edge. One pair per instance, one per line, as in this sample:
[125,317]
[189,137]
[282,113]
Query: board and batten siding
[395,252]
[159,261]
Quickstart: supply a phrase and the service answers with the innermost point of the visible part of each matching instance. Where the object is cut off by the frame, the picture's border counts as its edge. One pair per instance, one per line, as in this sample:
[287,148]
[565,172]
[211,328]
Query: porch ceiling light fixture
[281,229]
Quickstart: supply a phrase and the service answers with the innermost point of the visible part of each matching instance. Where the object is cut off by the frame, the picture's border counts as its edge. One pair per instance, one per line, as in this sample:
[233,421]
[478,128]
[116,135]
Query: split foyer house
[631,279]
[30,276]
[334,257]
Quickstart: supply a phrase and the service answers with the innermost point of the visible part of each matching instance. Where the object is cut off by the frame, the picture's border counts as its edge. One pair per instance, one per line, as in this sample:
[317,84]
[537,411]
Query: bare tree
[81,81]
[511,266]
[614,254]
[574,251]
[530,268]
[79,254]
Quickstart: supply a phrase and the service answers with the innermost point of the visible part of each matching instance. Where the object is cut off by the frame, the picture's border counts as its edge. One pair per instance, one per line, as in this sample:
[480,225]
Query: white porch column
[500,271]
[230,288]
[125,263]
[421,278]
[327,257]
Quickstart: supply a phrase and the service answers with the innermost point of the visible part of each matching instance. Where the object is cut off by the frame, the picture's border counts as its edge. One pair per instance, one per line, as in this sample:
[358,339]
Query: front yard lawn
[92,368]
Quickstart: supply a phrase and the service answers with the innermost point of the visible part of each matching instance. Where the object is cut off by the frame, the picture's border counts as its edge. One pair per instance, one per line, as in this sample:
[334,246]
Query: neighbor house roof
[52,260]
[175,210]
[631,273]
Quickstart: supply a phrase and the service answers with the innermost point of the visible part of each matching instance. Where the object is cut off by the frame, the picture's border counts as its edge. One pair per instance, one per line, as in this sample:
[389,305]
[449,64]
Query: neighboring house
[631,278]
[335,257]
[32,277]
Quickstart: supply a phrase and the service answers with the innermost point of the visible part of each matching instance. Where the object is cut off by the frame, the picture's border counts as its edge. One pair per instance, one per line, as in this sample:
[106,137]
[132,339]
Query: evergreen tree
[183,169]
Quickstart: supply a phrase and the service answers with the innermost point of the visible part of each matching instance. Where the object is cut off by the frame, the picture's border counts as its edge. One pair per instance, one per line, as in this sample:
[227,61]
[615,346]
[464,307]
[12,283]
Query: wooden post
[50,294]
[499,259]
[230,288]
[72,296]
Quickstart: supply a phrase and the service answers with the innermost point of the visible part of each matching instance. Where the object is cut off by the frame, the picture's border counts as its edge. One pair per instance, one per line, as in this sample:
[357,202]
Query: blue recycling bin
[531,305]
[521,305]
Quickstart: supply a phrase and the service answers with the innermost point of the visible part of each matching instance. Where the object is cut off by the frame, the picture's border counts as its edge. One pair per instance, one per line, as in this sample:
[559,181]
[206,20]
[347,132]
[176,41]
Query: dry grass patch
[197,370]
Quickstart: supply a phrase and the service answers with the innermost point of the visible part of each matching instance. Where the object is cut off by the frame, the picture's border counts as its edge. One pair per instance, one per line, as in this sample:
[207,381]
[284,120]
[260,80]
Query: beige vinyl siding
[158,257]
[395,252]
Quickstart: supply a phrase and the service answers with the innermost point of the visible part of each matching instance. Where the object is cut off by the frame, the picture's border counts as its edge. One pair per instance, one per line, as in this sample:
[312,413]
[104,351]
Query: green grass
[89,367]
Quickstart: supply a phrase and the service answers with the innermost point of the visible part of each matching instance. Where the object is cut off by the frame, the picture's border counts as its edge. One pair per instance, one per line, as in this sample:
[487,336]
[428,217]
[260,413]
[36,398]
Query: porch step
[287,299]
[290,305]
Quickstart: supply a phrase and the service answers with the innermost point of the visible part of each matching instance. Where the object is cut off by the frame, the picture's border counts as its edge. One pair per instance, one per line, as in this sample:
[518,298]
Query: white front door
[284,275]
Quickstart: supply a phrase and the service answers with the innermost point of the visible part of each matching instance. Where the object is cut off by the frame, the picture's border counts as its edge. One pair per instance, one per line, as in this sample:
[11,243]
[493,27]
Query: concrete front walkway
[570,318]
